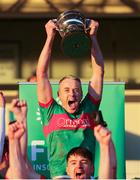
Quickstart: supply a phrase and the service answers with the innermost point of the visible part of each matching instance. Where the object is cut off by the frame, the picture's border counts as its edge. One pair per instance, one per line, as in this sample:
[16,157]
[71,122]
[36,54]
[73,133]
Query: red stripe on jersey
[47,104]
[64,122]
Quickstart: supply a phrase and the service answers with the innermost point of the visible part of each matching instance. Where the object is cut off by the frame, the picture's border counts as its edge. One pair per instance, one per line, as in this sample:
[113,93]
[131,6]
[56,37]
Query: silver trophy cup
[73,28]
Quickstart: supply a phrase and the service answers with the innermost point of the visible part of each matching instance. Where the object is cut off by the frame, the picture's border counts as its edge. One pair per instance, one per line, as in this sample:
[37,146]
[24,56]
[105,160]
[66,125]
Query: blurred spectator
[20,167]
[32,78]
[2,123]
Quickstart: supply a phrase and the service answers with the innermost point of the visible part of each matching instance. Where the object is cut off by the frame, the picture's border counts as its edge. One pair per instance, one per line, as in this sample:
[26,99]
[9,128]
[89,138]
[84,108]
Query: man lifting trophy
[71,123]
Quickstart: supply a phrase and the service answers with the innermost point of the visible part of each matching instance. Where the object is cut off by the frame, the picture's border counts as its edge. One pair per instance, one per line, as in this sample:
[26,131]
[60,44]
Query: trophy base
[76,45]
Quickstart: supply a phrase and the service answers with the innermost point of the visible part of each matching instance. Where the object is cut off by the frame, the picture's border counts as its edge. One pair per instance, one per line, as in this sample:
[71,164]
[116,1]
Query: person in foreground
[19,166]
[79,159]
[70,124]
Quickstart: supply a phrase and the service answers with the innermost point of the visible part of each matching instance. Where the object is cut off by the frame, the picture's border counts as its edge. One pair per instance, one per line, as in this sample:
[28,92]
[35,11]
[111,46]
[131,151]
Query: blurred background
[22,36]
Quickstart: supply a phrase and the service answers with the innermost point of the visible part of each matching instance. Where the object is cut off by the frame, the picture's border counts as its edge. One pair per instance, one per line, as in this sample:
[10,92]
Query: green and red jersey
[63,131]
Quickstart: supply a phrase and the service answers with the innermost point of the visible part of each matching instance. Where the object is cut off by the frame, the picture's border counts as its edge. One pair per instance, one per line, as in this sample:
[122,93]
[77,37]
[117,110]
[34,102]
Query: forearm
[105,162]
[96,81]
[17,164]
[44,89]
[23,140]
[30,171]
[44,58]
[96,57]
[2,130]
[113,161]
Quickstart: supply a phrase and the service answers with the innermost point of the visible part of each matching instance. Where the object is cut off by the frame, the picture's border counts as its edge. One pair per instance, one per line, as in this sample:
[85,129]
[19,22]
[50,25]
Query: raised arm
[20,167]
[44,89]
[2,123]
[19,109]
[107,163]
[16,162]
[97,61]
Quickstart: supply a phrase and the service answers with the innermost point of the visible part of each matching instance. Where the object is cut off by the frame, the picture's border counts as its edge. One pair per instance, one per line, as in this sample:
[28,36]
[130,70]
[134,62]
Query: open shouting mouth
[80,175]
[73,104]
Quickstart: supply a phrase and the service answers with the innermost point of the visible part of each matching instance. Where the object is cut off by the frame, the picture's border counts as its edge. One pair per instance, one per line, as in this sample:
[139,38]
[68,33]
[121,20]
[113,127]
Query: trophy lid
[70,14]
[69,18]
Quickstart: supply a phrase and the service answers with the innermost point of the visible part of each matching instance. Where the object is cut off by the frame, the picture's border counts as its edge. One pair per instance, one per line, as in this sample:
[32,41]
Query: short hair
[70,77]
[81,151]
[33,74]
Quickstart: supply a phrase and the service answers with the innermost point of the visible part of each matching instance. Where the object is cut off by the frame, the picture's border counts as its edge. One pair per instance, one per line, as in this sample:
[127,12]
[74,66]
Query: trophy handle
[55,21]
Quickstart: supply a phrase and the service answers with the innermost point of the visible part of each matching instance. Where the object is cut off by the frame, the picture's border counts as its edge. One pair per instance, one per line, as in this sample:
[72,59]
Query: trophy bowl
[72,26]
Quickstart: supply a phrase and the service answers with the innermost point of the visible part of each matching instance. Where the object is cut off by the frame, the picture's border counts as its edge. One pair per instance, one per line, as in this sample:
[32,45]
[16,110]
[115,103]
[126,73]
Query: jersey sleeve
[90,104]
[47,110]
